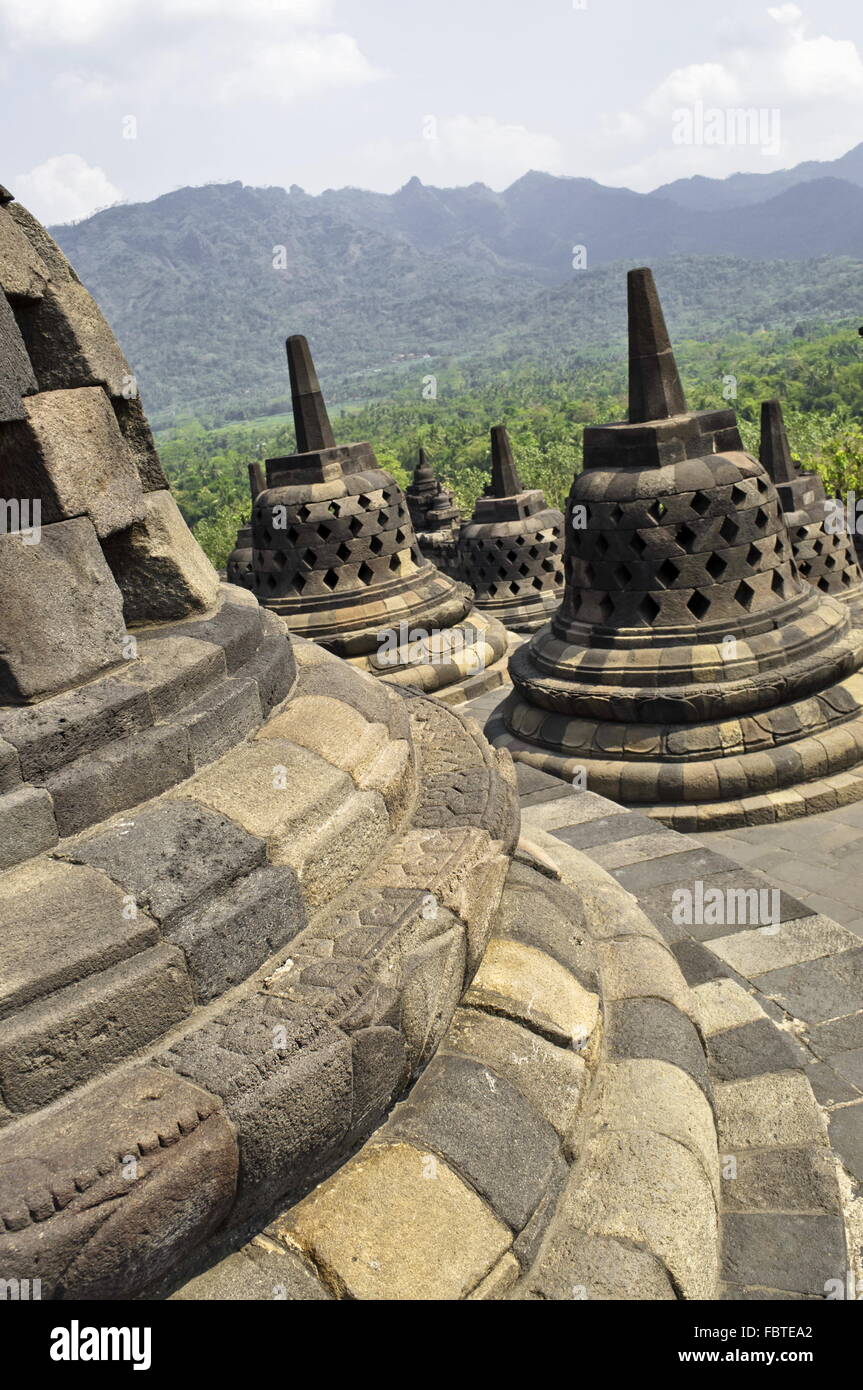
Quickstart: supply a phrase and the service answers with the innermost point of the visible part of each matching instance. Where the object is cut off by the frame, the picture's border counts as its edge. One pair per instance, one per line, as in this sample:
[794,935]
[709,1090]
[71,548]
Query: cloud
[282,72]
[462,149]
[65,188]
[775,64]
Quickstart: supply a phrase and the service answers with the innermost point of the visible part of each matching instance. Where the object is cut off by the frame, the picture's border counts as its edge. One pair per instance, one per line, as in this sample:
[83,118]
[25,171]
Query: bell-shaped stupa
[511,550]
[821,540]
[435,517]
[690,670]
[336,556]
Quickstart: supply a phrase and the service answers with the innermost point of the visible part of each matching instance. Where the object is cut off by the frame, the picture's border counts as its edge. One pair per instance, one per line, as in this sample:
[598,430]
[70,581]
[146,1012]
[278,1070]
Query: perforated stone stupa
[435,517]
[511,550]
[822,544]
[690,669]
[335,555]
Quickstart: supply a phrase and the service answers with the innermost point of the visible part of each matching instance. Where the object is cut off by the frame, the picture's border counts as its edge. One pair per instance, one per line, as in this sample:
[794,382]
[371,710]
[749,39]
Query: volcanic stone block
[530,987]
[485,1128]
[58,924]
[74,723]
[652,1028]
[228,939]
[162,571]
[381,1070]
[289,1120]
[16,374]
[773,1111]
[782,1180]
[234,627]
[22,270]
[220,719]
[118,776]
[125,1178]
[796,1252]
[274,669]
[171,856]
[70,454]
[397,1223]
[57,1043]
[10,767]
[63,589]
[69,342]
[27,825]
[139,441]
[261,1270]
[604,1268]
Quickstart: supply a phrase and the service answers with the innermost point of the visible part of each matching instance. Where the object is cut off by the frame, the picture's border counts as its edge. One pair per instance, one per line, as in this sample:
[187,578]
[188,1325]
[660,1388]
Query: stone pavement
[782,1005]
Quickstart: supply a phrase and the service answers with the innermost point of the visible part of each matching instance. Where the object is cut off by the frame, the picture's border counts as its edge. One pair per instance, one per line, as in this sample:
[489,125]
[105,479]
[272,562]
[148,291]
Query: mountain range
[203,284]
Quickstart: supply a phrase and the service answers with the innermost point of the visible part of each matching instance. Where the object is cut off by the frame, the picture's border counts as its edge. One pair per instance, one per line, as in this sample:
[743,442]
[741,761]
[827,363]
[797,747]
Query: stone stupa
[336,557]
[511,549]
[691,670]
[824,552]
[435,517]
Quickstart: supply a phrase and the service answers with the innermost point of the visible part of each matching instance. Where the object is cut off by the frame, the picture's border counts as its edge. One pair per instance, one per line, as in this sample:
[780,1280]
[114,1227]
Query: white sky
[324,93]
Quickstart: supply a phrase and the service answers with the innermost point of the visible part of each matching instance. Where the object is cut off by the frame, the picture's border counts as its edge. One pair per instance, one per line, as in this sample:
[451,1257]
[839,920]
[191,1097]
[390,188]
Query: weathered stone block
[63,590]
[260,1270]
[397,1223]
[68,726]
[91,1025]
[228,939]
[118,776]
[220,719]
[171,856]
[162,571]
[58,924]
[27,825]
[70,454]
[16,375]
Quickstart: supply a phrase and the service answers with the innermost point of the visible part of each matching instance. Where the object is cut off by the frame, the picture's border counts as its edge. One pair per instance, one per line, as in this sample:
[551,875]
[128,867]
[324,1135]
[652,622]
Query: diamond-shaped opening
[800,533]
[818,546]
[280,559]
[762,485]
[616,514]
[649,609]
[601,544]
[805,568]
[606,608]
[513,588]
[537,583]
[365,574]
[299,583]
[738,495]
[324,531]
[729,530]
[355,525]
[830,562]
[761,517]
[777,584]
[622,573]
[335,509]
[744,594]
[387,495]
[657,510]
[266,536]
[400,537]
[376,545]
[846,578]
[331,579]
[686,538]
[344,552]
[753,555]
[511,556]
[548,566]
[519,540]
[533,552]
[824,585]
[523,569]
[698,604]
[716,567]
[292,534]
[639,544]
[700,502]
[492,588]
[308,558]
[779,545]
[395,563]
[364,501]
[667,573]
[304,513]
[588,572]
[553,549]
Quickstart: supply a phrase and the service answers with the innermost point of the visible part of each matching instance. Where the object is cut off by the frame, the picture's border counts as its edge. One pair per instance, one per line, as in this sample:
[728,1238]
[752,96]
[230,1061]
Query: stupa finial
[655,392]
[775,451]
[505,481]
[311,422]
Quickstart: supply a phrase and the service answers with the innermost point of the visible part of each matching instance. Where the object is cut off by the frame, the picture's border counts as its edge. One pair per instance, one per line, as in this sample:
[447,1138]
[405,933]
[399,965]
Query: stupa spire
[505,481]
[775,451]
[655,392]
[311,422]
